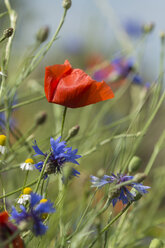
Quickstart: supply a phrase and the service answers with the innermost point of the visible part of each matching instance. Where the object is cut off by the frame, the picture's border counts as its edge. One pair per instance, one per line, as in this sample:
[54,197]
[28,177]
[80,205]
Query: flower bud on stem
[66,4]
[6,34]
[73,132]
[42,34]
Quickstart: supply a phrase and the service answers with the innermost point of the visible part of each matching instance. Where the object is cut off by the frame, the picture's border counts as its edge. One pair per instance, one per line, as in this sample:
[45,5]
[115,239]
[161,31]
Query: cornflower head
[60,154]
[118,70]
[133,28]
[28,164]
[34,215]
[25,196]
[122,193]
[2,143]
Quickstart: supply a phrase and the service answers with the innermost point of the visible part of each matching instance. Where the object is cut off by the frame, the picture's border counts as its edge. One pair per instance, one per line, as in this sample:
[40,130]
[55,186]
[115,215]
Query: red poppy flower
[7,229]
[73,87]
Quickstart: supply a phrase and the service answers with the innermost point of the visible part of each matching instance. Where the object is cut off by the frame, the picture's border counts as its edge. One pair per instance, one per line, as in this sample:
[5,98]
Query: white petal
[2,149]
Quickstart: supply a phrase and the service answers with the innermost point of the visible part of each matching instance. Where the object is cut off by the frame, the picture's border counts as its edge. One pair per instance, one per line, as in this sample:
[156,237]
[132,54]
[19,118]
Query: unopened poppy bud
[8,32]
[138,178]
[147,28]
[156,243]
[42,34]
[134,164]
[73,132]
[41,118]
[66,4]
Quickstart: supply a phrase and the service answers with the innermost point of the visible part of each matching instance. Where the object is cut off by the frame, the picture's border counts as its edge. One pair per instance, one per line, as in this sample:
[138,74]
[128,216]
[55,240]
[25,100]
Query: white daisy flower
[25,196]
[28,164]
[2,143]
[23,199]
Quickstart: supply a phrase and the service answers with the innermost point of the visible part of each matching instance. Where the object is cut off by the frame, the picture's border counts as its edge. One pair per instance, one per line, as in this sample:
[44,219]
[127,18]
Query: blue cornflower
[123,193]
[35,214]
[123,66]
[60,154]
[133,28]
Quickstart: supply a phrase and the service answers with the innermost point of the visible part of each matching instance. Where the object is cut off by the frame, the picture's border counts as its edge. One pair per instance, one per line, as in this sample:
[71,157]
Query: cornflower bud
[134,164]
[156,243]
[147,28]
[66,4]
[162,36]
[41,118]
[42,34]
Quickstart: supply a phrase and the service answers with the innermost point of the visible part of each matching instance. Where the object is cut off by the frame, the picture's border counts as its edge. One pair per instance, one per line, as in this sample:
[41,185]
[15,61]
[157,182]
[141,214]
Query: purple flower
[123,66]
[36,213]
[60,154]
[133,28]
[123,193]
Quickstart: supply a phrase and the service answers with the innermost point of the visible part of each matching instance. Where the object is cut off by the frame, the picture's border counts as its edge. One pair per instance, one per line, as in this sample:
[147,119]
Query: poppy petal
[4,217]
[73,87]
[52,76]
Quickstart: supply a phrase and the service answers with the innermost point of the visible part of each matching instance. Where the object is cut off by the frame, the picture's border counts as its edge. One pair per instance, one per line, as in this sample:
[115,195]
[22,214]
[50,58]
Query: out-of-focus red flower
[7,229]
[73,87]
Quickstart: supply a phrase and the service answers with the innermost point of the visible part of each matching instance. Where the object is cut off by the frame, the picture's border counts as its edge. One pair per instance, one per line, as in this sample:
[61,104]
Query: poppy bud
[42,34]
[8,32]
[66,4]
[156,243]
[41,118]
[73,132]
[134,164]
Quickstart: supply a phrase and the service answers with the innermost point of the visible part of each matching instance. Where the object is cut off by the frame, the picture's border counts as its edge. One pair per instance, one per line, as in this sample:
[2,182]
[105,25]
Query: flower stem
[25,180]
[42,172]
[110,223]
[38,98]
[156,151]
[19,189]
[63,121]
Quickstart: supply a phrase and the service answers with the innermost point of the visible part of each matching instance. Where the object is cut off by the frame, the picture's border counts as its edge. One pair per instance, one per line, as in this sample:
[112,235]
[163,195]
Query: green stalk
[63,120]
[36,99]
[19,189]
[83,216]
[106,141]
[25,180]
[110,223]
[42,172]
[3,190]
[156,151]
[3,92]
